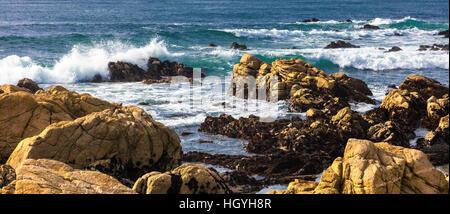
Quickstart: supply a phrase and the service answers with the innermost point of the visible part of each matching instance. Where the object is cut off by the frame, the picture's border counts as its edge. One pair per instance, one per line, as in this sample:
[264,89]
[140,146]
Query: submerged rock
[340,44]
[125,143]
[45,176]
[445,33]
[380,168]
[294,79]
[393,49]
[186,179]
[237,46]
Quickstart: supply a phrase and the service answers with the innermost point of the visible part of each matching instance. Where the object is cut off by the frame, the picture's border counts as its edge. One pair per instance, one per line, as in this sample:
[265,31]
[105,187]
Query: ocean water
[68,42]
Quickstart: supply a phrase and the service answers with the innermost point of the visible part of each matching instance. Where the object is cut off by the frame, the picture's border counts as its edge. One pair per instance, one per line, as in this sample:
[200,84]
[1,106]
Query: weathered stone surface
[127,72]
[45,176]
[125,143]
[29,84]
[434,47]
[7,175]
[301,187]
[419,102]
[23,114]
[391,133]
[294,79]
[185,179]
[7,88]
[436,143]
[380,168]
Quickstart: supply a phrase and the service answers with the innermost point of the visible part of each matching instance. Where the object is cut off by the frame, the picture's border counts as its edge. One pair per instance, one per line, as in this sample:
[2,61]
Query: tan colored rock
[436,108]
[23,114]
[293,75]
[186,179]
[124,142]
[7,88]
[381,168]
[424,86]
[45,176]
[7,175]
[301,187]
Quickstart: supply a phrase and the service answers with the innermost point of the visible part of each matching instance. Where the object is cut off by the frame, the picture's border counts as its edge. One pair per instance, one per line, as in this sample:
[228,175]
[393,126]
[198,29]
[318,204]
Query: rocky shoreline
[60,141]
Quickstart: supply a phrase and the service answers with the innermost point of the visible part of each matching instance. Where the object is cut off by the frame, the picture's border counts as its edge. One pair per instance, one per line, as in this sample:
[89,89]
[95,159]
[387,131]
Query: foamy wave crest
[264,33]
[372,58]
[81,63]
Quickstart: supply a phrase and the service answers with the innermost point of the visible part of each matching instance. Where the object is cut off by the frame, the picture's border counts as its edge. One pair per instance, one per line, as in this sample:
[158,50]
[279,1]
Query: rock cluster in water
[60,141]
[306,146]
[157,71]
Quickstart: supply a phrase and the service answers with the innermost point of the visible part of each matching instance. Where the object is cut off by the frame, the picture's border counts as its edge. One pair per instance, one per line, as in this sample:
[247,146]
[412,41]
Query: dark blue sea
[68,42]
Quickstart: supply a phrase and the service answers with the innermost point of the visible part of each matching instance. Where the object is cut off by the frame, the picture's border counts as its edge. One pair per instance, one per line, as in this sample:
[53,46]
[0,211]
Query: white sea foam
[81,63]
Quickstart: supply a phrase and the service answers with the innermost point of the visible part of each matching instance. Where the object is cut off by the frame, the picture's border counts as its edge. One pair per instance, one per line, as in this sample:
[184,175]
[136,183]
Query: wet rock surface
[45,176]
[125,143]
[156,70]
[380,168]
[297,81]
[23,114]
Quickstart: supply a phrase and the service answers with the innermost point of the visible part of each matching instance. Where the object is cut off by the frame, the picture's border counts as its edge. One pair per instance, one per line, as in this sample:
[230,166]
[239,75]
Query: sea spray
[81,63]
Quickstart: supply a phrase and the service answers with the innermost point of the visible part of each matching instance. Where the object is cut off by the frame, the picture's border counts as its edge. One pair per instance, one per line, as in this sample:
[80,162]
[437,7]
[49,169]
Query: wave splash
[81,63]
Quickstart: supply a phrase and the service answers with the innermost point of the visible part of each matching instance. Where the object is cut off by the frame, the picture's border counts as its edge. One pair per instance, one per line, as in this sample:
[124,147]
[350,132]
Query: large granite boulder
[125,143]
[381,168]
[45,176]
[186,179]
[23,114]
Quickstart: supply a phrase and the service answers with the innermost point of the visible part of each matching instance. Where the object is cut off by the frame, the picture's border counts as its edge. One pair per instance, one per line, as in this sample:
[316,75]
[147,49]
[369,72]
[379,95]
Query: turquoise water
[68,42]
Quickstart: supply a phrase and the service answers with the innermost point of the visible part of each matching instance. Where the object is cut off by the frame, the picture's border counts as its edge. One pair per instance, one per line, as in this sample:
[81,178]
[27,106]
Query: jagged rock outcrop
[380,168]
[29,84]
[436,143]
[128,72]
[45,176]
[23,114]
[444,33]
[185,179]
[125,143]
[294,79]
[279,167]
[371,27]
